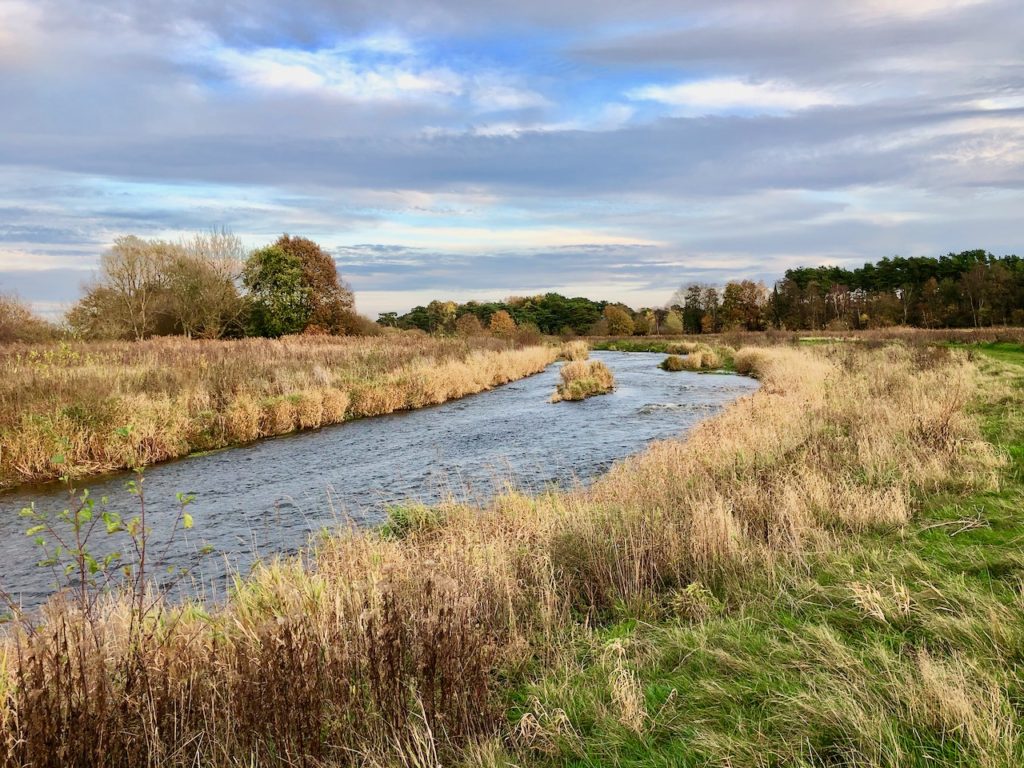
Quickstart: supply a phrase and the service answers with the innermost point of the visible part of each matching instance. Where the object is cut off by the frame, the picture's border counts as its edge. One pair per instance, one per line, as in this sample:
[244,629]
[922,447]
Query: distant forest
[968,289]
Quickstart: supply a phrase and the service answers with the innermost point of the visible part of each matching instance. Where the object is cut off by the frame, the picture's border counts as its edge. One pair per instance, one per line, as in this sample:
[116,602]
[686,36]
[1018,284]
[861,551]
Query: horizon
[452,151]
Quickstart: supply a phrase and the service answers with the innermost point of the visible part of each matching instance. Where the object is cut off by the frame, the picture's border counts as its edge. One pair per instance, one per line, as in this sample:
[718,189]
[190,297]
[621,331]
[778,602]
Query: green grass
[903,649]
[632,345]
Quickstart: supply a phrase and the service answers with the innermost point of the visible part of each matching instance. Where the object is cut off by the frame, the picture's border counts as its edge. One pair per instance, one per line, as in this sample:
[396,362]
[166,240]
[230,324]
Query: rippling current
[268,497]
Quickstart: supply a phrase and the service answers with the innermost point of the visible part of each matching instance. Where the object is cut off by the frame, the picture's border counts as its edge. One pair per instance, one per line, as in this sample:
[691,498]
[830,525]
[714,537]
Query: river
[268,497]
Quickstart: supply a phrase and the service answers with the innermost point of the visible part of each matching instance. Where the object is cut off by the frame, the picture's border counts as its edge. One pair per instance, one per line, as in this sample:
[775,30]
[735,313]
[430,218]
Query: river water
[269,497]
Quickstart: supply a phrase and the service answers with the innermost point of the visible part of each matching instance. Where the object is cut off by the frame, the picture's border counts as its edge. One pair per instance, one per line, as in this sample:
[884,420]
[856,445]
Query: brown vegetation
[582,379]
[384,650]
[575,350]
[19,324]
[673,363]
[105,406]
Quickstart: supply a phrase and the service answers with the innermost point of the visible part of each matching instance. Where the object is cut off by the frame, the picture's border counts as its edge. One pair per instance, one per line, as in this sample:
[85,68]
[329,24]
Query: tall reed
[101,407]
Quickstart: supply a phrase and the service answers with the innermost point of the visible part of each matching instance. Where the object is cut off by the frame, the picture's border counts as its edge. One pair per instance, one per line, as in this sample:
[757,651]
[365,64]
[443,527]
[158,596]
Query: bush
[703,358]
[682,348]
[575,350]
[17,323]
[582,379]
[673,363]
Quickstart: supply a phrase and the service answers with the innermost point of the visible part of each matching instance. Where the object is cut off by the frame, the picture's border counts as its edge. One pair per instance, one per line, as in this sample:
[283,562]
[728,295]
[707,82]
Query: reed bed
[582,379]
[90,408]
[390,648]
[575,350]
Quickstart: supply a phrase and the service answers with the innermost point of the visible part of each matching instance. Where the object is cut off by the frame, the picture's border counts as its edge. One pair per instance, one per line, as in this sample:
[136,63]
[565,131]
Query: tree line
[549,313]
[968,289]
[210,287]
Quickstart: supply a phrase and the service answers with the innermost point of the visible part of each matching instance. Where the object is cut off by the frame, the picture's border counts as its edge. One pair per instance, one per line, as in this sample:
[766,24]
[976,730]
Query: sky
[465,149]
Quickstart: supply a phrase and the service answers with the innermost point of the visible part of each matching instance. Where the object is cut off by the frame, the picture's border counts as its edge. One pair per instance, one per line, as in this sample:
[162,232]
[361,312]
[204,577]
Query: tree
[709,303]
[672,325]
[691,299]
[200,279]
[644,323]
[331,303]
[974,286]
[469,325]
[742,305]
[19,323]
[388,319]
[619,321]
[132,274]
[502,325]
[279,296]
[441,315]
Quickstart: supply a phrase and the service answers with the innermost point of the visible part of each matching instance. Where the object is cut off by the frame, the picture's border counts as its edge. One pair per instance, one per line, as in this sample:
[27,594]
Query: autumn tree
[469,325]
[743,304]
[441,316]
[19,323]
[619,321]
[644,324]
[502,325]
[331,303]
[672,325]
[132,277]
[200,278]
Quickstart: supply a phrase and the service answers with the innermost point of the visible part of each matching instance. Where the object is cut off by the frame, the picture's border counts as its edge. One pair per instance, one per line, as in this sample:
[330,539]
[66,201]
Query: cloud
[333,72]
[724,95]
[586,143]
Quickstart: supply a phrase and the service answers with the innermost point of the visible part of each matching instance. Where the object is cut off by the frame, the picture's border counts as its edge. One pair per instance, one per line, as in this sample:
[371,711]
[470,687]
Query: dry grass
[575,350]
[703,358]
[673,363]
[116,405]
[383,649]
[582,379]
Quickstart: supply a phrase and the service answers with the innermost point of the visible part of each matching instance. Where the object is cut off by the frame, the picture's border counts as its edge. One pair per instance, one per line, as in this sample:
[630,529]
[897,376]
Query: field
[82,409]
[827,573]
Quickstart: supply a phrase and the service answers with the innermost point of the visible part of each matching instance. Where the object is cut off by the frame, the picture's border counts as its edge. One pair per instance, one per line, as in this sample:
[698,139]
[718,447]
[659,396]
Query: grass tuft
[581,379]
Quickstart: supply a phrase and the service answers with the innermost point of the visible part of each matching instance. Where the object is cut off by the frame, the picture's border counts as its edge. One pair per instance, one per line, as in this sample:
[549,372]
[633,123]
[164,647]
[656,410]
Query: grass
[806,579]
[582,379]
[575,350]
[92,408]
[900,647]
[673,363]
[643,344]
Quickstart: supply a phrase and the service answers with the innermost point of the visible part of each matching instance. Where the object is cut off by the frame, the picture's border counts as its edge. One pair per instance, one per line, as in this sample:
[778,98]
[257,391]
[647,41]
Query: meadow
[824,574]
[86,408]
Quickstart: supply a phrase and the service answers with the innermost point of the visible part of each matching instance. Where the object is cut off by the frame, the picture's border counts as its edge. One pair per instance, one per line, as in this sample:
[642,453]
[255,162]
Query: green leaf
[186,521]
[57,458]
[35,530]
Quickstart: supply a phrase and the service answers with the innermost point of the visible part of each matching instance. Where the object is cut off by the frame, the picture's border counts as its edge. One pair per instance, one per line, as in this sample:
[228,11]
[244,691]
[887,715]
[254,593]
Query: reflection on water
[268,497]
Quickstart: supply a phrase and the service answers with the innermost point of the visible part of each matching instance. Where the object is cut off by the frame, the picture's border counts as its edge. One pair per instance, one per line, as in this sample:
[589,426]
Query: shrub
[703,358]
[575,350]
[673,363]
[18,323]
[682,347]
[582,379]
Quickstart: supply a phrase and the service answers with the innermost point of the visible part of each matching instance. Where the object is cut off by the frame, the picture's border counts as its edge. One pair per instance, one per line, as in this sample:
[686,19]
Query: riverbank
[518,631]
[85,409]
[895,645]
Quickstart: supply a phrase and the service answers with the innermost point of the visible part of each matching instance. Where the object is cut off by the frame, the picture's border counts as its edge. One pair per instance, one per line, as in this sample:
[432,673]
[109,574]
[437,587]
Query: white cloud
[333,71]
[725,94]
[491,95]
